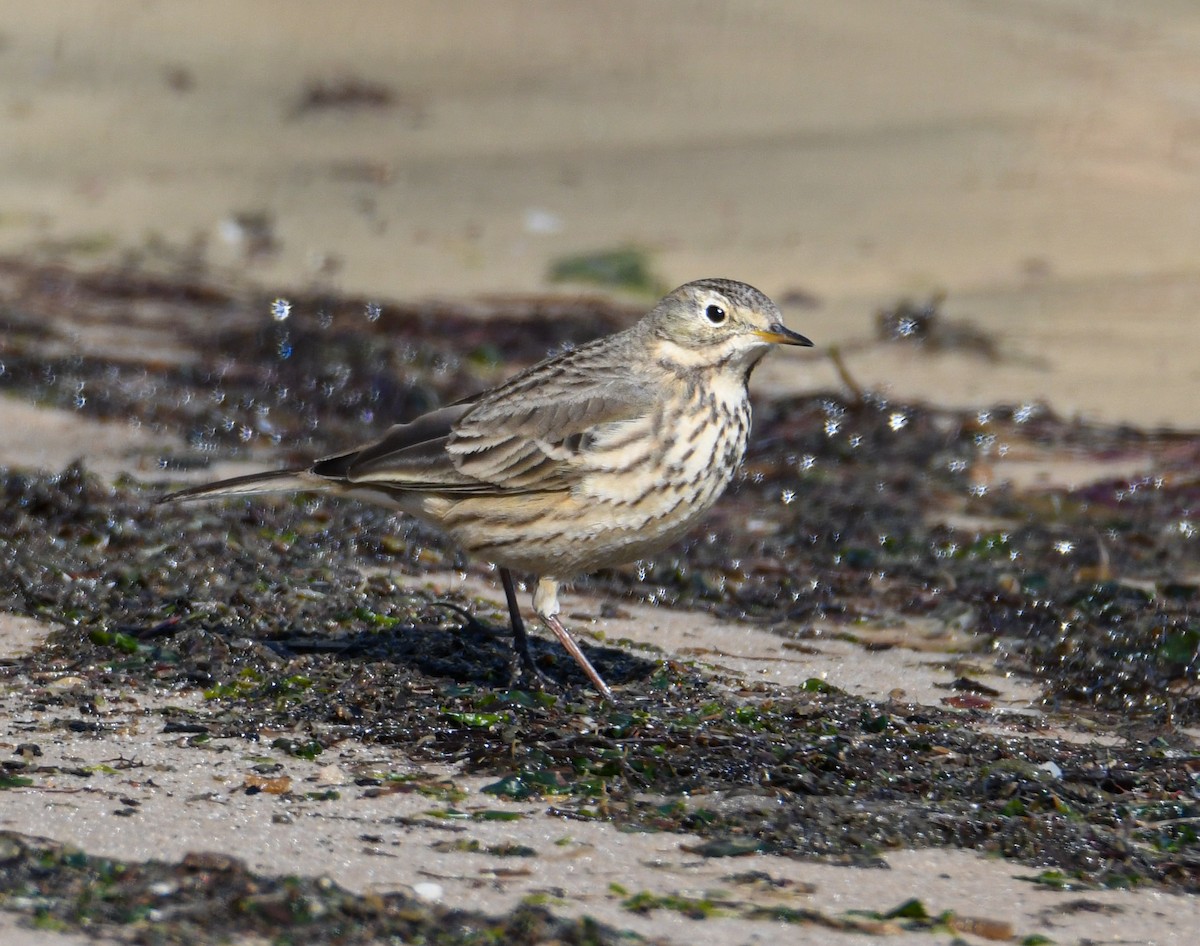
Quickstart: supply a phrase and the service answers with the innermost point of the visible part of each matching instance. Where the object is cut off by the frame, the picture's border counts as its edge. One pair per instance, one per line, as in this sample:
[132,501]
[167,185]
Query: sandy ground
[151,795]
[1038,161]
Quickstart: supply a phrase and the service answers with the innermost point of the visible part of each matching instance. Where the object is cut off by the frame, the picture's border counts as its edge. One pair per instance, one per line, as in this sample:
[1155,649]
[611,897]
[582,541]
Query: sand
[1037,162]
[177,799]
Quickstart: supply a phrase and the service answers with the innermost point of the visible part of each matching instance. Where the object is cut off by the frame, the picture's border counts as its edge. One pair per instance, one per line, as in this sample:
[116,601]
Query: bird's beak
[779,334]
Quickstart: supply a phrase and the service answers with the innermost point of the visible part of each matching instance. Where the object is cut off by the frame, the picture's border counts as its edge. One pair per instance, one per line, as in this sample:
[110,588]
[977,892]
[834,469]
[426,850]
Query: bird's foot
[524,674]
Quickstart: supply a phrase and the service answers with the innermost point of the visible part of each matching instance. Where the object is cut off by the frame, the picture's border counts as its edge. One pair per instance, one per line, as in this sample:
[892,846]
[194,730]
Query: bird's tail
[277,481]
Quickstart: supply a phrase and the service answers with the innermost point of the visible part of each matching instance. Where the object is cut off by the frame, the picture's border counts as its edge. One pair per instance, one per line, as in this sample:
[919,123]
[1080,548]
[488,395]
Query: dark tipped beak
[778,334]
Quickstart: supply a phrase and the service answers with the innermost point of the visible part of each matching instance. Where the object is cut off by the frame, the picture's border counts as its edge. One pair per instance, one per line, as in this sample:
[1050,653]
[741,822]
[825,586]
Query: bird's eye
[715,314]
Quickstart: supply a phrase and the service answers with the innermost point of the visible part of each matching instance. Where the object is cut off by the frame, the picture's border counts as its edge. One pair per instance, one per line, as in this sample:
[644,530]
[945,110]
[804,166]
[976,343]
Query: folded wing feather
[496,444]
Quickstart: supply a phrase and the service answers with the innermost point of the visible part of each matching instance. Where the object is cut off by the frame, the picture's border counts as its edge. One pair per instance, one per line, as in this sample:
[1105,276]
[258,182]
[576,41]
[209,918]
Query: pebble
[429,891]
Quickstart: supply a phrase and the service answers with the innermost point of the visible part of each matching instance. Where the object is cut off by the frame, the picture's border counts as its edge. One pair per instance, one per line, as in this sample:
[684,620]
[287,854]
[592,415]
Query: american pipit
[594,457]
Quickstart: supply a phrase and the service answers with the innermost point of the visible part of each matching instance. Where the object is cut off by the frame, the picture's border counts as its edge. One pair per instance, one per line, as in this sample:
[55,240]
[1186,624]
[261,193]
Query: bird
[597,456]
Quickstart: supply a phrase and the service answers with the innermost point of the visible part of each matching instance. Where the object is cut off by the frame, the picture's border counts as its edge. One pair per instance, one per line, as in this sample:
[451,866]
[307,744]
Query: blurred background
[1027,169]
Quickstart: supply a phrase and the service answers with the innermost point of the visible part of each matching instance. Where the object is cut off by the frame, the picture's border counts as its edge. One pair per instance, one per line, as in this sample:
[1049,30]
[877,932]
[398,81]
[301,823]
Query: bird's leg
[545,603]
[520,636]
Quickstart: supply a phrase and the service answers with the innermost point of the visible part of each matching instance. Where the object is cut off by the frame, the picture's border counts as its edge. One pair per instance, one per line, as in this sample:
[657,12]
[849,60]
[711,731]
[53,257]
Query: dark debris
[924,324]
[209,898]
[848,512]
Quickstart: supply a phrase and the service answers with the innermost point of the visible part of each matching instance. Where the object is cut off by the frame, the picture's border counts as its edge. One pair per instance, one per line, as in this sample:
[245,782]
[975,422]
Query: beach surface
[1031,171]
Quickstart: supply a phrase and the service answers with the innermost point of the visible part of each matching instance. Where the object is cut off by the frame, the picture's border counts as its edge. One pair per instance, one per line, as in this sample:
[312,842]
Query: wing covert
[532,441]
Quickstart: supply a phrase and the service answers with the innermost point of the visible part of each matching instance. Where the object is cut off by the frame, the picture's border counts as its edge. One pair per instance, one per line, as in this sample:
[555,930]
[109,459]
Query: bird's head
[716,323]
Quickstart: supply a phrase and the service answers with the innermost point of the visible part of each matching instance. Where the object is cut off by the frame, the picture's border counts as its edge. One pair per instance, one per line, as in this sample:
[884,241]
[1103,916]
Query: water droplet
[1064,546]
[1025,413]
[897,420]
[373,311]
[1186,528]
[978,489]
[984,417]
[280,310]
[808,461]
[788,496]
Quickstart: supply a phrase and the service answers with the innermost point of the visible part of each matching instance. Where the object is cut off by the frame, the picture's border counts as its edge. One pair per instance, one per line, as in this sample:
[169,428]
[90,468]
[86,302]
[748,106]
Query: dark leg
[520,636]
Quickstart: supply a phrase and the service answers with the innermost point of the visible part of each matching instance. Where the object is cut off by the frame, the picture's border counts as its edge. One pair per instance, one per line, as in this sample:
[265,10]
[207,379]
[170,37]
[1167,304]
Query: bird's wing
[408,456]
[524,436]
